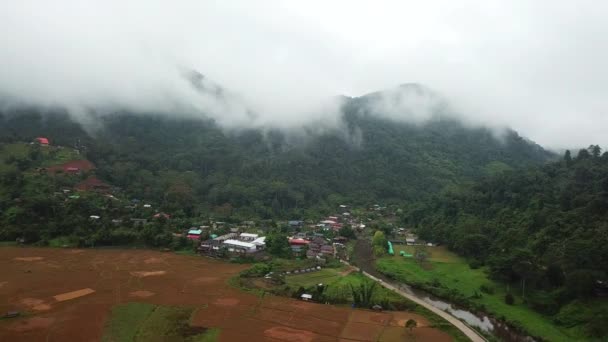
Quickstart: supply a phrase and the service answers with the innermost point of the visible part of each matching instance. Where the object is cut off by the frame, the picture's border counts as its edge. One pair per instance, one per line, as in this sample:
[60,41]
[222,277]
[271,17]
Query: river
[365,260]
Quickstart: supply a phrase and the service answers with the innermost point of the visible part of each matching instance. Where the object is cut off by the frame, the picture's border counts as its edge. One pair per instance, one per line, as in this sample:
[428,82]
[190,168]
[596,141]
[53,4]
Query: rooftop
[239,243]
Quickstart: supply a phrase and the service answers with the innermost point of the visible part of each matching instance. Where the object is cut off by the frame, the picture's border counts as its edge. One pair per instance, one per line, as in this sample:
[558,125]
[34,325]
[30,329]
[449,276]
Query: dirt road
[364,258]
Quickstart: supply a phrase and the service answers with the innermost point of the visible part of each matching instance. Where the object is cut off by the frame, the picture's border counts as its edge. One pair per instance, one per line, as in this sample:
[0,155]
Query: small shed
[306,297]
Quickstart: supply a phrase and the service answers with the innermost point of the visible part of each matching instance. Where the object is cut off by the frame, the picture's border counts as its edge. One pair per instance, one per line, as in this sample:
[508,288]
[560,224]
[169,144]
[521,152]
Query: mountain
[370,157]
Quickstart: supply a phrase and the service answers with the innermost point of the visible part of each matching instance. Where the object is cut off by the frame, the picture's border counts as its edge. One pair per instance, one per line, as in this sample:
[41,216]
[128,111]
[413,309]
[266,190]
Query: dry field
[67,295]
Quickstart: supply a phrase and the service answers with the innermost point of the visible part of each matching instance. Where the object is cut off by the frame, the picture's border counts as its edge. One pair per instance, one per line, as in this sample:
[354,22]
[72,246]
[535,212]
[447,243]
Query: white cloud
[536,66]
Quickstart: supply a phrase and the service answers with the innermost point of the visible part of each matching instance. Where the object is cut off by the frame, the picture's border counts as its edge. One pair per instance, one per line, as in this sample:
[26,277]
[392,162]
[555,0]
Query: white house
[239,246]
[248,236]
[260,242]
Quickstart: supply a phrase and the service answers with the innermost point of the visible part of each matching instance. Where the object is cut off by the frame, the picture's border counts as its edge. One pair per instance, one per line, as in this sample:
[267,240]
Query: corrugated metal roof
[239,243]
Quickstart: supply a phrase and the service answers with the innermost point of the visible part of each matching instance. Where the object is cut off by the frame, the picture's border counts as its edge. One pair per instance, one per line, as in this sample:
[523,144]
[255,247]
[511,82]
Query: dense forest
[543,230]
[194,166]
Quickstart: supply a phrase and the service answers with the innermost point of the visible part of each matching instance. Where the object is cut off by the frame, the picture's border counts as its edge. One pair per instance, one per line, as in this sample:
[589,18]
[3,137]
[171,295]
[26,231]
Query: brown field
[121,276]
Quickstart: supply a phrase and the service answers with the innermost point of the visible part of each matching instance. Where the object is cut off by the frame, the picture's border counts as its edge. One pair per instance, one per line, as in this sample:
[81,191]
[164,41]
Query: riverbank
[450,278]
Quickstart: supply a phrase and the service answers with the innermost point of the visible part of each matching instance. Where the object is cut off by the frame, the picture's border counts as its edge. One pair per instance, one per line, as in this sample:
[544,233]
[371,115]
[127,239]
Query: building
[340,239]
[163,215]
[248,237]
[42,141]
[194,234]
[327,250]
[296,223]
[260,242]
[225,237]
[306,297]
[236,246]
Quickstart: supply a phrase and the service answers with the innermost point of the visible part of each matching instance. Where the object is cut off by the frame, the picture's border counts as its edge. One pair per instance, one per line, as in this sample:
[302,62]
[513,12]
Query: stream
[364,259]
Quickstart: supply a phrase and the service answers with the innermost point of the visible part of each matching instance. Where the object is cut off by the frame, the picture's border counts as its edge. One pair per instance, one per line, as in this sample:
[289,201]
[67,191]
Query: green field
[325,276]
[147,322]
[446,275]
[338,291]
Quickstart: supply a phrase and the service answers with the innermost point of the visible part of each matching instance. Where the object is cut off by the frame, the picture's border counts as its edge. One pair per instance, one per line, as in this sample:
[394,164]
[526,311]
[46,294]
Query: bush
[485,288]
[475,264]
[509,299]
[258,270]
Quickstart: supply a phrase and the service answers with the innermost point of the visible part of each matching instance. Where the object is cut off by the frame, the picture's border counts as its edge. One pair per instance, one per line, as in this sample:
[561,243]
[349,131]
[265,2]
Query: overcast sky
[537,66]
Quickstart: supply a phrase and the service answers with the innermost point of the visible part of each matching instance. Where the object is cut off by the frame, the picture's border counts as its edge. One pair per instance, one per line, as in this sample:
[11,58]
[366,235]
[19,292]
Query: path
[362,245]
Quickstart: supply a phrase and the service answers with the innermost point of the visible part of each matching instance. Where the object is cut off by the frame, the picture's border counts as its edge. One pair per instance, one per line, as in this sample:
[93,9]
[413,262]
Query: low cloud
[533,66]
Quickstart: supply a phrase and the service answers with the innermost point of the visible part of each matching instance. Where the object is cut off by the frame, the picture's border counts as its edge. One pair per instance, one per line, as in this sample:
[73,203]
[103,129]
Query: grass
[147,322]
[324,276]
[8,243]
[451,273]
[125,320]
[62,241]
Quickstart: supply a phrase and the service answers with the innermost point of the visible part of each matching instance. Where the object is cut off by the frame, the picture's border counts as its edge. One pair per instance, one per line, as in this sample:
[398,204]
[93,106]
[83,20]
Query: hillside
[542,231]
[195,166]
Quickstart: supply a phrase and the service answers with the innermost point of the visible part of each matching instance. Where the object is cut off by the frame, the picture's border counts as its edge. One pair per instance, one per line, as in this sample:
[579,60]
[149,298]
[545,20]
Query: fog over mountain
[536,67]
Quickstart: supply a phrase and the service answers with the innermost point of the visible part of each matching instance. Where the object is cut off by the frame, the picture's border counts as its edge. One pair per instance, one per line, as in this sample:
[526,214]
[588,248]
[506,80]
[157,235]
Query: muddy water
[364,259]
[479,320]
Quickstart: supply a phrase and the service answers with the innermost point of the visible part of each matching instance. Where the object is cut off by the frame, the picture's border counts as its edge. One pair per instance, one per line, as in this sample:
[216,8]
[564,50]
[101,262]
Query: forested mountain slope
[194,165]
[544,230]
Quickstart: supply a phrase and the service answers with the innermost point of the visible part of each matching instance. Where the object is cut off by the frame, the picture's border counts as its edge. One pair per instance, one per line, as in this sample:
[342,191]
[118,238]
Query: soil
[226,301]
[147,273]
[289,334]
[141,294]
[153,261]
[117,278]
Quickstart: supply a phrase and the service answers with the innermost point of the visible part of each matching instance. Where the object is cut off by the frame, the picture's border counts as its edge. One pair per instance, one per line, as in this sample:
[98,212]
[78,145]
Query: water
[479,320]
[483,323]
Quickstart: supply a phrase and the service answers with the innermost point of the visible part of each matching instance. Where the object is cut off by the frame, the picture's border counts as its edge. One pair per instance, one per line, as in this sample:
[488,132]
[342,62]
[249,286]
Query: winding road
[365,259]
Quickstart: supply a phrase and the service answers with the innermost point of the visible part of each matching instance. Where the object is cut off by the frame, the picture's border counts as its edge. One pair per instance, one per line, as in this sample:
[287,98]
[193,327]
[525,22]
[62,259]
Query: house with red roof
[42,141]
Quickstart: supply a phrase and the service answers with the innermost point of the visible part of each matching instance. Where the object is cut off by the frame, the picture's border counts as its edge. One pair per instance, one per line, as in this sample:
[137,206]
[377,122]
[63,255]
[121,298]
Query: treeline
[544,231]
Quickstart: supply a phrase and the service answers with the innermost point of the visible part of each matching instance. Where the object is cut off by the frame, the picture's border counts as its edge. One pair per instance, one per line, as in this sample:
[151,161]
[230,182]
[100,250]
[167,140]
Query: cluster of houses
[231,243]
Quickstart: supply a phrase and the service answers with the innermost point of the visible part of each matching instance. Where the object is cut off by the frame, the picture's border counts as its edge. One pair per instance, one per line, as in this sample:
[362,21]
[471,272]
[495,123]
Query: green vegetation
[146,322]
[541,234]
[324,276]
[449,276]
[125,321]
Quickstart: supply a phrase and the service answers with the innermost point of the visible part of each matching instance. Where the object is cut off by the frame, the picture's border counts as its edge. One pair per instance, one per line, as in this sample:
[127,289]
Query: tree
[595,151]
[410,325]
[277,244]
[362,295]
[379,239]
[348,232]
[568,157]
[421,254]
[583,154]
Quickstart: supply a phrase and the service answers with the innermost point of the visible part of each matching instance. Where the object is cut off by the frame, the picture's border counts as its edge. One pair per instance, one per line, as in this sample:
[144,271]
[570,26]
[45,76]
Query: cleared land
[445,271]
[193,288]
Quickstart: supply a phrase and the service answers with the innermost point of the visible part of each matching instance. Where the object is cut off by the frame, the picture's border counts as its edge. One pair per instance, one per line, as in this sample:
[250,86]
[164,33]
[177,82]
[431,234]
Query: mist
[535,67]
